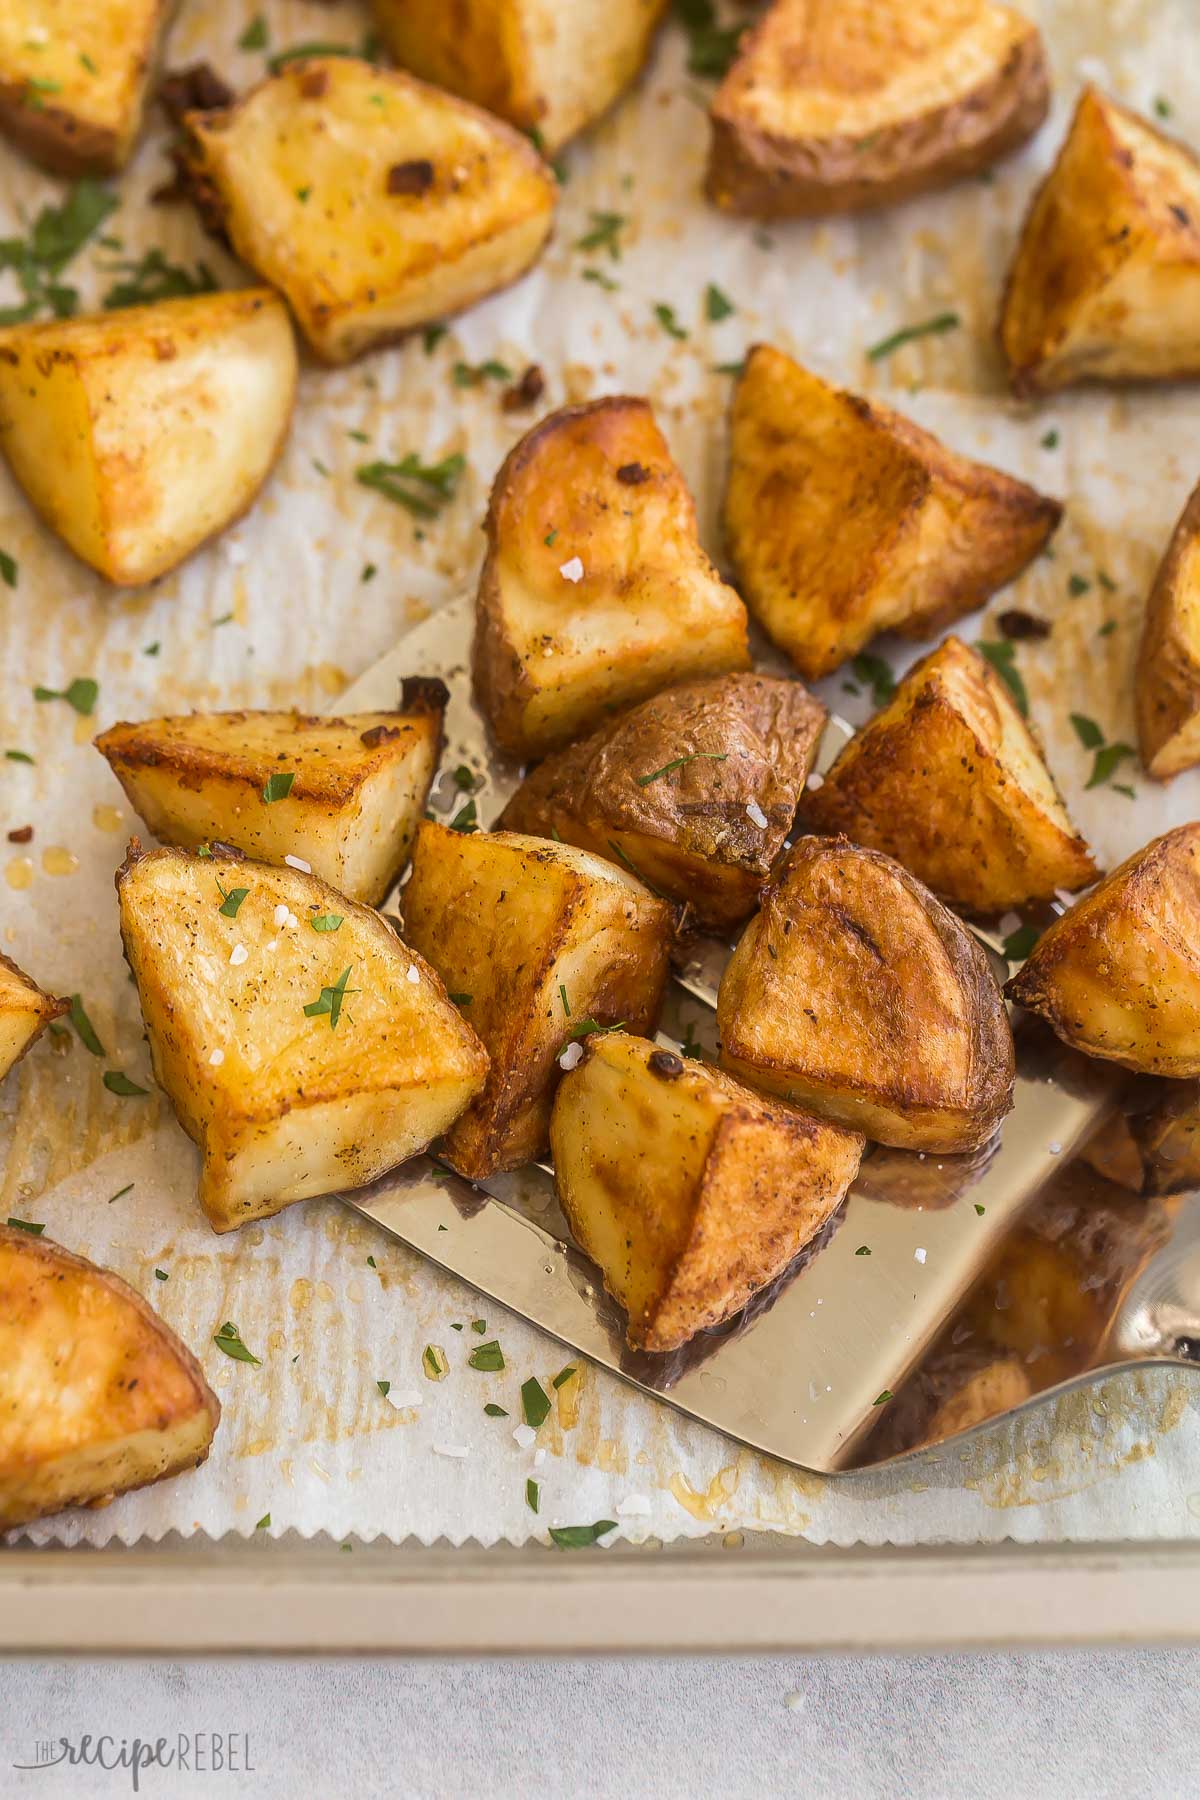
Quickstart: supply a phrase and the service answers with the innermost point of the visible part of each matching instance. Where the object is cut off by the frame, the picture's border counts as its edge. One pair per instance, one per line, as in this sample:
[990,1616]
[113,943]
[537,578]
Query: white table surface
[1014,1727]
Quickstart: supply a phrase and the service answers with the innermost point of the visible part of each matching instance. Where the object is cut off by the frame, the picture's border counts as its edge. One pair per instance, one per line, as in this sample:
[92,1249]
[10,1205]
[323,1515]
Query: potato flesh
[834,105]
[85,63]
[1118,976]
[352,809]
[303,166]
[295,1105]
[543,937]
[845,519]
[96,1395]
[640,606]
[854,993]
[677,787]
[1105,280]
[138,434]
[949,780]
[25,1011]
[539,65]
[1168,671]
[688,1190]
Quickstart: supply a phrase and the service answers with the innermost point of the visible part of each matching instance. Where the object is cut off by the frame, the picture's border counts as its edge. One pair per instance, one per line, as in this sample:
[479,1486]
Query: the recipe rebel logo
[187,1753]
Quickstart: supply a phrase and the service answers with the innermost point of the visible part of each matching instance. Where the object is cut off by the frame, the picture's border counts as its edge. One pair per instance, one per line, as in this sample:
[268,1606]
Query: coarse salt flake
[298,862]
[238,955]
[573,570]
[1054,1149]
[459,1450]
[1009,923]
[539,1457]
[272,944]
[414,974]
[217,1058]
[235,553]
[1065,896]
[291,921]
[572,1056]
[756,815]
[919,1256]
[633,1506]
[280,915]
[814,782]
[402,1398]
[524,1436]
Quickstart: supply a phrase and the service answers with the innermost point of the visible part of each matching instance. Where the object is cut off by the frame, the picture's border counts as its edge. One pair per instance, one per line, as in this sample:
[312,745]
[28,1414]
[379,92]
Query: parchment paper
[307,1437]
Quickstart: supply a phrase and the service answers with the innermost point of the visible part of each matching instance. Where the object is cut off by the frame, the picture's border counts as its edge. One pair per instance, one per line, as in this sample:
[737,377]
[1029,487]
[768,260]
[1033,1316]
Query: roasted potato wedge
[1168,671]
[594,591]
[949,779]
[689,1191]
[539,943]
[1119,975]
[854,992]
[138,434]
[997,1387]
[550,70]
[836,105]
[97,1396]
[342,795]
[25,1012]
[696,789]
[1167,1135]
[845,519]
[372,202]
[73,78]
[303,1046]
[1105,284]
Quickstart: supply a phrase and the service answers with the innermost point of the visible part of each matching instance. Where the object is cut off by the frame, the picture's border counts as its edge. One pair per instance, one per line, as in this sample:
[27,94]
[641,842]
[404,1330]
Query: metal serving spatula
[804,1372]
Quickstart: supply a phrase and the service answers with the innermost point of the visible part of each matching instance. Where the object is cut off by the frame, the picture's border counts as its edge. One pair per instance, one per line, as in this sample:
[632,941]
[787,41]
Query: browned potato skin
[507,930]
[688,832]
[598,482]
[149,1412]
[998,1387]
[1118,976]
[25,1012]
[842,50]
[769,1177]
[542,66]
[1104,280]
[855,993]
[60,136]
[933,780]
[1168,671]
[844,519]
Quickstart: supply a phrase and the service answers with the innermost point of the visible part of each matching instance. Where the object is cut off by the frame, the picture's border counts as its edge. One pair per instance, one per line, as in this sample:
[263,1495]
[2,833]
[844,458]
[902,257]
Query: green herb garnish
[326,921]
[422,488]
[495,1412]
[229,1340]
[1002,656]
[876,674]
[883,1398]
[1087,731]
[535,1402]
[27,1225]
[489,1357]
[255,35]
[666,317]
[578,1537]
[717,306]
[467,375]
[85,1028]
[82,694]
[154,278]
[934,327]
[679,761]
[1019,943]
[711,47]
[8,569]
[601,280]
[231,901]
[18,756]
[330,1000]
[117,1082]
[57,235]
[563,1376]
[385,1388]
[532,1494]
[465,819]
[605,233]
[278,786]
[433,1361]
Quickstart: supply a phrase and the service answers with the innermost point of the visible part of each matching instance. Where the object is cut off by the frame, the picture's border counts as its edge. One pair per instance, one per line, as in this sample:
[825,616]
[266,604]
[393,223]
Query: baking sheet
[279,613]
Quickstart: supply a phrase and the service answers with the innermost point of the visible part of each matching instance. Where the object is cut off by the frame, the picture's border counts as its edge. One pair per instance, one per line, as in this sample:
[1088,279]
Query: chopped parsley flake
[883,1398]
[1087,731]
[57,235]
[711,47]
[863,1250]
[264,1523]
[278,786]
[432,336]
[27,1225]
[564,1375]
[532,1494]
[8,569]
[941,322]
[465,819]
[85,1028]
[1050,441]
[18,756]
[161,1275]
[385,1388]
[326,921]
[876,674]
[254,38]
[1002,656]
[117,1082]
[330,1000]
[82,694]
[578,1537]
[489,1357]
[229,1339]
[535,1402]
[433,1361]
[1078,584]
[1019,943]
[369,572]
[666,317]
[231,901]
[605,233]
[717,306]
[468,375]
[495,1412]
[154,278]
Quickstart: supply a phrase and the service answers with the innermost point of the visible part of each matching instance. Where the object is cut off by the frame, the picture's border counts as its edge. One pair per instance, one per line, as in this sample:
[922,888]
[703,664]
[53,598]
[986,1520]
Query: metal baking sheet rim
[766,1597]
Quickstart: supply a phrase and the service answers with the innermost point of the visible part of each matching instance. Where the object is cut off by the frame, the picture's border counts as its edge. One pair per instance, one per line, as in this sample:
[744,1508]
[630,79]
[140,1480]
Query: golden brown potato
[97,1396]
[1168,671]
[854,992]
[696,789]
[304,1048]
[1105,284]
[25,1012]
[998,1387]
[949,779]
[845,519]
[342,795]
[140,433]
[687,1189]
[372,202]
[73,78]
[1119,975]
[594,590]
[538,943]
[1167,1135]
[547,68]
[1114,1153]
[836,105]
